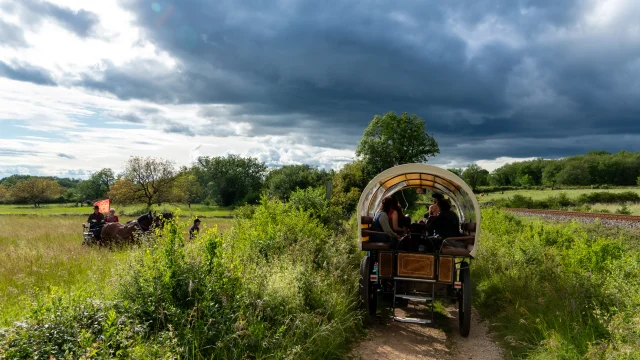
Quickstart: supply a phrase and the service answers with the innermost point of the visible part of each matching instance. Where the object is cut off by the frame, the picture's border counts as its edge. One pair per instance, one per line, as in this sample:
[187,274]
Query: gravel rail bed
[627,221]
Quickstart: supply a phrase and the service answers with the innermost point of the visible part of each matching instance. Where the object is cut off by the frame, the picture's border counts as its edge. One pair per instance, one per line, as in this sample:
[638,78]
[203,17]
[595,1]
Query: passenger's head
[444,205]
[437,197]
[388,203]
[112,211]
[96,209]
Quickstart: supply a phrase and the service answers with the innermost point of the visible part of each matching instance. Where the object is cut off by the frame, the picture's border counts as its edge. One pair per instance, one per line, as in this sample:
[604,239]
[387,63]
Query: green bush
[279,284]
[624,210]
[609,197]
[559,290]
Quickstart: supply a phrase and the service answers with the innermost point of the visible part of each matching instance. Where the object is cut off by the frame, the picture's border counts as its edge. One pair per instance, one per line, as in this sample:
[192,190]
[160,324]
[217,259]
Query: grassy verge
[277,285]
[559,291]
[128,210]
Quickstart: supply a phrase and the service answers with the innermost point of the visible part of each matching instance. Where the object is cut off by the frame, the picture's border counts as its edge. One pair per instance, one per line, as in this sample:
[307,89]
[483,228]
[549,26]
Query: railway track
[577,214]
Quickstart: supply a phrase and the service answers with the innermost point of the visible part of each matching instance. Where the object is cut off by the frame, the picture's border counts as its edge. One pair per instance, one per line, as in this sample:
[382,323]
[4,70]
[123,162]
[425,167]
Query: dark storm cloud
[11,35]
[32,12]
[521,73]
[25,72]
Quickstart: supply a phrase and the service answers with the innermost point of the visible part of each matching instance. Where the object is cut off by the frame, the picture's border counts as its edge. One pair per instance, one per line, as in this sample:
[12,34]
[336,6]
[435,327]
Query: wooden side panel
[445,269]
[416,265]
[386,264]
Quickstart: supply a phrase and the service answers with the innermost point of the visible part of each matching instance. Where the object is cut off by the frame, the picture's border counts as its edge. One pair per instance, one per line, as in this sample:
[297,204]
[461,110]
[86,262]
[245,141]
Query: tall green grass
[559,291]
[277,285]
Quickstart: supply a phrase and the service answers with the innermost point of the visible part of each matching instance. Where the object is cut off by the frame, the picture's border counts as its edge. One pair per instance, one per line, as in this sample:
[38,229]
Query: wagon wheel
[368,297]
[464,300]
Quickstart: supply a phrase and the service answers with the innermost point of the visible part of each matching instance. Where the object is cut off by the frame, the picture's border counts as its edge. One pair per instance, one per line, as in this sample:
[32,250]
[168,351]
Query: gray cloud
[491,78]
[32,12]
[12,35]
[25,72]
[15,152]
[126,116]
[66,156]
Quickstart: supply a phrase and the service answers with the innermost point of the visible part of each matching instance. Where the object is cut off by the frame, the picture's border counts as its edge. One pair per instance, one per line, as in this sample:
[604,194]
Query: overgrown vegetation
[278,284]
[559,291]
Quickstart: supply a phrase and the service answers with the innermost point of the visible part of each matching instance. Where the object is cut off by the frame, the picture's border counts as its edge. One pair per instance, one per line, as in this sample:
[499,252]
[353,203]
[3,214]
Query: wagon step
[414,297]
[412,320]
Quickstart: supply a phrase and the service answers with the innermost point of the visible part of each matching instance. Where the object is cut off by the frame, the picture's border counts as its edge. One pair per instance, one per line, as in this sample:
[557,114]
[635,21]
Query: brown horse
[117,233]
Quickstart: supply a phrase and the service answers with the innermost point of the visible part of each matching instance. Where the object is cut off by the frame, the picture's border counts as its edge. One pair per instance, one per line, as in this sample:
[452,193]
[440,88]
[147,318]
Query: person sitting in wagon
[398,221]
[446,224]
[434,210]
[382,222]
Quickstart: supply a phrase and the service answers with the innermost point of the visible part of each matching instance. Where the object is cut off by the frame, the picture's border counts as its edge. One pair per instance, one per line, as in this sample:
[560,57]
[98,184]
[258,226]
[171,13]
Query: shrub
[624,210]
[609,197]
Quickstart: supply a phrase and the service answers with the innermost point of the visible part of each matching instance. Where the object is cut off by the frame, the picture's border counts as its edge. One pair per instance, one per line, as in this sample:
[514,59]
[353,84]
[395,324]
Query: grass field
[541,194]
[39,254]
[538,195]
[69,209]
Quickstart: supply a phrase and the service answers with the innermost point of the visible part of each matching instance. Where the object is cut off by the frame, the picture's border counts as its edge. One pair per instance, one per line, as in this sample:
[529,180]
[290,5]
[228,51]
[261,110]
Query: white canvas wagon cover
[425,176]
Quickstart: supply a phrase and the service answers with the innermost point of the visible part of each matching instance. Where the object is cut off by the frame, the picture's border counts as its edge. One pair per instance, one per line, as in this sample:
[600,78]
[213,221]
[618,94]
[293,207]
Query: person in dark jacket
[195,229]
[446,223]
[96,221]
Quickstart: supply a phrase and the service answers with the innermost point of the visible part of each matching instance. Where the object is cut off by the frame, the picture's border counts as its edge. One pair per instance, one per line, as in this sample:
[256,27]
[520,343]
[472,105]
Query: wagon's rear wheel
[368,296]
[464,300]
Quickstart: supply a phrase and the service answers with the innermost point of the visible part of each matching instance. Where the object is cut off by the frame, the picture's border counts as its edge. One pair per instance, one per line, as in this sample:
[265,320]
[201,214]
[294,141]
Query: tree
[550,173]
[35,190]
[574,173]
[97,186]
[475,176]
[282,182]
[231,180]
[348,183]
[4,194]
[456,171]
[527,180]
[187,189]
[151,178]
[124,192]
[392,140]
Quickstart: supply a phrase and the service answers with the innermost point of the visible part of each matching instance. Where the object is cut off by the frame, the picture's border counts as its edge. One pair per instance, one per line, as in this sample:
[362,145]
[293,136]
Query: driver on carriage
[96,220]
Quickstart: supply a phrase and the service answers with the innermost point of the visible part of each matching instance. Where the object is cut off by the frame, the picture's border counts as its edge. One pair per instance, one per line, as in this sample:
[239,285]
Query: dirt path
[400,341]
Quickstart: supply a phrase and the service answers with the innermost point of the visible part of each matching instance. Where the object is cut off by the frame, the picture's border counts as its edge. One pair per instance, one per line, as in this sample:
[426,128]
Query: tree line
[595,168]
[231,180]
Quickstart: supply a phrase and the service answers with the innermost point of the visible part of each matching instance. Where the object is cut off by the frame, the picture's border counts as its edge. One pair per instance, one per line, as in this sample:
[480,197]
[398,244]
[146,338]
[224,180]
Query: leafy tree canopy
[392,140]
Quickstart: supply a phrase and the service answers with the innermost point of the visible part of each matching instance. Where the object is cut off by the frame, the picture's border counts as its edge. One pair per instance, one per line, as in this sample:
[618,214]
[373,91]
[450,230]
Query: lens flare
[156,7]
